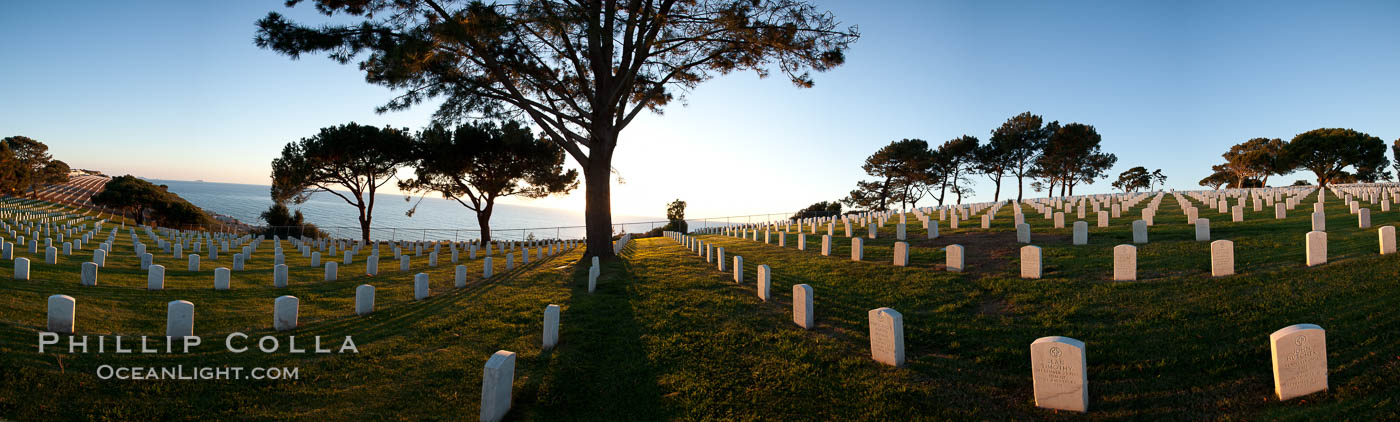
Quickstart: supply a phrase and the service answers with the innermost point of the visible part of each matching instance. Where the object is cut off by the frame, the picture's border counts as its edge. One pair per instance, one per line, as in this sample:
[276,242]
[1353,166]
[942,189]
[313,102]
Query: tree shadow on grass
[600,368]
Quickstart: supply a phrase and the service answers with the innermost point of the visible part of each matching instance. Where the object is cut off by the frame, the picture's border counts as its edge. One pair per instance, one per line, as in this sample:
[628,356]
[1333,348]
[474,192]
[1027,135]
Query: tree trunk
[942,191]
[997,196]
[364,225]
[1020,188]
[598,203]
[483,220]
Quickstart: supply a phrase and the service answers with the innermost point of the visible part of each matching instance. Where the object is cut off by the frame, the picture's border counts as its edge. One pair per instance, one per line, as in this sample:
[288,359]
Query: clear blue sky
[176,89]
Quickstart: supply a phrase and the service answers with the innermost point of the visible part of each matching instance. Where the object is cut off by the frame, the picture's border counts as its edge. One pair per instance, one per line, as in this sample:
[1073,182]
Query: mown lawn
[666,336]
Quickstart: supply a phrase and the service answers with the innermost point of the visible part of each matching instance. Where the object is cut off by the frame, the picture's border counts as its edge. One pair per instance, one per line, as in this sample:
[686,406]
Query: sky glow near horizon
[177,90]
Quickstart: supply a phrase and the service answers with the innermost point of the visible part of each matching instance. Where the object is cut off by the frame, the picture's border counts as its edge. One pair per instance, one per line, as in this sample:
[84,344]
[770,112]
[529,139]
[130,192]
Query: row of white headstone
[1059,364]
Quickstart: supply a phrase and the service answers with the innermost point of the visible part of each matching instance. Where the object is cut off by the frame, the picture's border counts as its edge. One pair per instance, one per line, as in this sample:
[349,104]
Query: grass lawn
[667,336]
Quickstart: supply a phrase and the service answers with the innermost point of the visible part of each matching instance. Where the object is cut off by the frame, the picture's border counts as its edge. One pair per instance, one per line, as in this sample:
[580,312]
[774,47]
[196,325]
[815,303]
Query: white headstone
[551,326]
[1058,374]
[1316,248]
[901,254]
[221,278]
[1023,233]
[284,313]
[193,264]
[765,282]
[1363,218]
[738,269]
[364,299]
[279,276]
[1081,233]
[1299,360]
[826,245]
[496,381]
[21,268]
[1202,230]
[857,248]
[887,336]
[1387,239]
[1030,262]
[420,286]
[1222,258]
[1124,263]
[1139,231]
[953,258]
[179,319]
[802,312]
[1319,222]
[459,276]
[61,314]
[332,271]
[89,277]
[155,277]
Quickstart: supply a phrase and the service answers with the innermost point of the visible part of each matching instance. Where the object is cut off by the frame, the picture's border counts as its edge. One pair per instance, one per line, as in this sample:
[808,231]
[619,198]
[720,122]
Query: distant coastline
[434,218]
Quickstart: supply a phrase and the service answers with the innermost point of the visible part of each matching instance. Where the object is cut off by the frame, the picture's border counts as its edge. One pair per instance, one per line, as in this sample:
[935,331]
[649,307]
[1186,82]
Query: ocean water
[435,219]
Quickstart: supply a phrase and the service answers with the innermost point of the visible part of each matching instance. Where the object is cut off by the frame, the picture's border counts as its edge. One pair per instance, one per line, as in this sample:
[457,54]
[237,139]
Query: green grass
[666,336]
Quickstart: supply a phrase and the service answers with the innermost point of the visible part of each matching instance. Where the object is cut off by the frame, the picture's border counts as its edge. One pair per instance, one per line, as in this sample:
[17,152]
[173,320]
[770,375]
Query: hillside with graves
[1268,303]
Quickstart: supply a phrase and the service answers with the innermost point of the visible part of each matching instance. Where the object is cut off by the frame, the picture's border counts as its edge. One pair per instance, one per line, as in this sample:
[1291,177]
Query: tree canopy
[1219,177]
[477,163]
[1255,159]
[1072,156]
[148,203]
[901,169]
[28,164]
[820,209]
[356,158]
[1015,147]
[1395,152]
[581,71]
[283,222]
[951,164]
[1329,152]
[1138,178]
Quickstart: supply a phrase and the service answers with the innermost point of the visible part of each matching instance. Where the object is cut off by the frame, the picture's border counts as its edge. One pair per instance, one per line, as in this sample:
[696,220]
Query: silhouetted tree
[1133,179]
[353,157]
[1015,147]
[1073,155]
[283,222]
[582,71]
[1329,152]
[952,163]
[675,215]
[478,163]
[1256,158]
[142,200]
[1395,151]
[902,172]
[9,170]
[991,160]
[31,159]
[1220,177]
[820,209]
